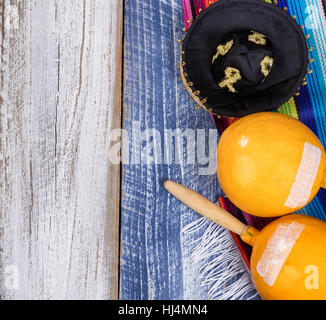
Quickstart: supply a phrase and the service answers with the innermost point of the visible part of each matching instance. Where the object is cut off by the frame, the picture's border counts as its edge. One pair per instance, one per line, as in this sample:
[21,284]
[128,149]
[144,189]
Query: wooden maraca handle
[205,207]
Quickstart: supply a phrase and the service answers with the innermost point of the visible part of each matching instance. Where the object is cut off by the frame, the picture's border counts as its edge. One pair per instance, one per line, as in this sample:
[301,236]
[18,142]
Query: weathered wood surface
[156,255]
[59,195]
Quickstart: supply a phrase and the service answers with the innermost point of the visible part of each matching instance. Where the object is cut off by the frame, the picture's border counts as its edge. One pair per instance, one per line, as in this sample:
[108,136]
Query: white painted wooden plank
[59,196]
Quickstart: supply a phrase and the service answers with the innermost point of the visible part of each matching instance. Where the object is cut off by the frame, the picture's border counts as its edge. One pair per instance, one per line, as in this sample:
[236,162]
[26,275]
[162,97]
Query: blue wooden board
[155,254]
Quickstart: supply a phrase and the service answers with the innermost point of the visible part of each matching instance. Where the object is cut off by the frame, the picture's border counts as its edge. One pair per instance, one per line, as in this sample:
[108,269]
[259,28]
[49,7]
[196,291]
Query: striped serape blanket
[309,107]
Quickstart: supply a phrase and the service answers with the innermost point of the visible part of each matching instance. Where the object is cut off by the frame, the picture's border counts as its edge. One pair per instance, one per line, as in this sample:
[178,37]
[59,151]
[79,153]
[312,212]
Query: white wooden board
[60,97]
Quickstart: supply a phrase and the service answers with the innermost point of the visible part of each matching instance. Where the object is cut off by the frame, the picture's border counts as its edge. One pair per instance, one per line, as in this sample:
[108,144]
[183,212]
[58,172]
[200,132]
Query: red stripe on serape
[205,3]
[198,5]
[224,122]
[195,5]
[257,222]
[209,2]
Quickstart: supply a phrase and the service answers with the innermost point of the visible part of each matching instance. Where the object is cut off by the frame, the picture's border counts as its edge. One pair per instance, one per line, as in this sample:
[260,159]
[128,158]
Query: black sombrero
[243,56]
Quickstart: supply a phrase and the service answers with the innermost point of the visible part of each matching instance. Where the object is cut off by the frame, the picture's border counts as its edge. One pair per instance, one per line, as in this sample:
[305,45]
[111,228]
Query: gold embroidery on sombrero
[232,76]
[222,50]
[257,38]
[266,65]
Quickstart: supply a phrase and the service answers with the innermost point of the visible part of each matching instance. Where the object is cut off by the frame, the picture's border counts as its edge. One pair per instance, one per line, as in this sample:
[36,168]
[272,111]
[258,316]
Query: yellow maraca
[288,260]
[270,164]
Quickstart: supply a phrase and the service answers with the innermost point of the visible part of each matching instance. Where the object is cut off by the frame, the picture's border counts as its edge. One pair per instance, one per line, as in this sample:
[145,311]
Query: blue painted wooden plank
[155,253]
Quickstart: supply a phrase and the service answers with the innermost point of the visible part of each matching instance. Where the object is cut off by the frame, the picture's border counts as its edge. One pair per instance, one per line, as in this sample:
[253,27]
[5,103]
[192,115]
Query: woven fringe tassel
[224,271]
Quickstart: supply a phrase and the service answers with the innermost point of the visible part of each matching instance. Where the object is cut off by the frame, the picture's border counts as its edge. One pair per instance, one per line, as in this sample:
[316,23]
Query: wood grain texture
[59,195]
[156,258]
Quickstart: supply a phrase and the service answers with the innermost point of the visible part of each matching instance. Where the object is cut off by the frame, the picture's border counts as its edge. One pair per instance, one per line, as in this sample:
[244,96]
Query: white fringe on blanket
[223,269]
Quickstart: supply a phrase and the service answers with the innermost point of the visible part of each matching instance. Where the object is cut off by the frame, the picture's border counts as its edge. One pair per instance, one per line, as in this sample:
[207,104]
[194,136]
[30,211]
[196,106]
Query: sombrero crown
[243,56]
